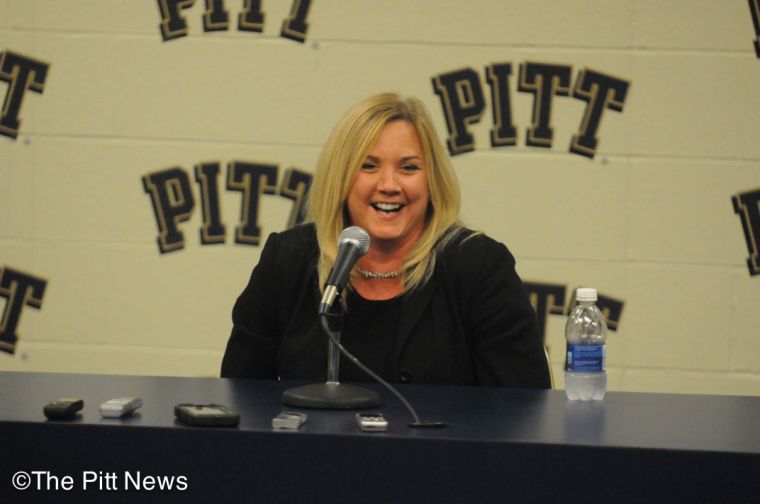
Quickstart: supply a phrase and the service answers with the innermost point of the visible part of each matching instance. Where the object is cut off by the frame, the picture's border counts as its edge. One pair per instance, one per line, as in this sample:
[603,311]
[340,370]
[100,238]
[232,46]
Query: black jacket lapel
[413,308]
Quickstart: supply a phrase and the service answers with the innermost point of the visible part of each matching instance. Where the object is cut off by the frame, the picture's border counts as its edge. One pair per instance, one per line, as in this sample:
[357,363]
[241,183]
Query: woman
[431,302]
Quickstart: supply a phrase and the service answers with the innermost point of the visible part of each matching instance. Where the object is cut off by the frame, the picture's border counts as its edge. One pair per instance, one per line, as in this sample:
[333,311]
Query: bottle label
[585,358]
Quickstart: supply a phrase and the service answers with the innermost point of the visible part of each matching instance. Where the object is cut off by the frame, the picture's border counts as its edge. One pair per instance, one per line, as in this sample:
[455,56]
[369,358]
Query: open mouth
[387,207]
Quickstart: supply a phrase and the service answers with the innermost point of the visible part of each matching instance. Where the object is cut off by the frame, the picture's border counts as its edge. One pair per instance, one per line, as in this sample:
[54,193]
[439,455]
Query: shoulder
[301,238]
[290,248]
[300,233]
[471,249]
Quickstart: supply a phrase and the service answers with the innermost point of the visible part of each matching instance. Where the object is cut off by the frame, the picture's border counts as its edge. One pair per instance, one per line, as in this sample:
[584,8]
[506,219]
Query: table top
[696,423]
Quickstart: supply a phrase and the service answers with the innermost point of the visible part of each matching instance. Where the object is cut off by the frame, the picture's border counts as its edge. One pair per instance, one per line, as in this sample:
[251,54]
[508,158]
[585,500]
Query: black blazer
[471,324]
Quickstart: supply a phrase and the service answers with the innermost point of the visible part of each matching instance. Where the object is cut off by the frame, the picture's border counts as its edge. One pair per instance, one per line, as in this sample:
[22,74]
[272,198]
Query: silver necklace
[381,276]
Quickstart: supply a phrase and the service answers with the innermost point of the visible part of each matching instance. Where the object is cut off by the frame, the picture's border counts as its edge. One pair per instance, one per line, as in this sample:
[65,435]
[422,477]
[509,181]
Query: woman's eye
[368,166]
[410,167]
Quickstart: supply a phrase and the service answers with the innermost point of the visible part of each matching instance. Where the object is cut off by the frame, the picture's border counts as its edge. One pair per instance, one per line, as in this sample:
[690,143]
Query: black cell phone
[63,409]
[206,415]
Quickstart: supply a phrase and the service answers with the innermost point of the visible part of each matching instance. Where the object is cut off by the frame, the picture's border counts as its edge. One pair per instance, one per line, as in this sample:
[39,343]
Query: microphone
[353,243]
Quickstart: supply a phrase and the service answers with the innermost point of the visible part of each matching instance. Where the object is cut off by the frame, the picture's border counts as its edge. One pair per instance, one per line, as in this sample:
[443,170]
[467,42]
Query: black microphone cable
[417,422]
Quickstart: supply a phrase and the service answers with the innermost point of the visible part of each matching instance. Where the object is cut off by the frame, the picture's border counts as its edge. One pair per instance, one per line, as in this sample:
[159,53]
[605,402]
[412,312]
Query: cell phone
[371,422]
[119,407]
[63,409]
[288,420]
[206,415]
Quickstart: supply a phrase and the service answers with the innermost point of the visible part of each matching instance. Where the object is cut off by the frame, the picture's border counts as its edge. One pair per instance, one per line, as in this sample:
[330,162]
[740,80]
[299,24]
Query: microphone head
[357,236]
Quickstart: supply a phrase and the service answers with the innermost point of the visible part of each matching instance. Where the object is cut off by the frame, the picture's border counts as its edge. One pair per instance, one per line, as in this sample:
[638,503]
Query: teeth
[387,207]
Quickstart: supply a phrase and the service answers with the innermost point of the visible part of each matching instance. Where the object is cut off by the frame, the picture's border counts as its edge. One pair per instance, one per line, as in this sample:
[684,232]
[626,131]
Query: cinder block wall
[648,219]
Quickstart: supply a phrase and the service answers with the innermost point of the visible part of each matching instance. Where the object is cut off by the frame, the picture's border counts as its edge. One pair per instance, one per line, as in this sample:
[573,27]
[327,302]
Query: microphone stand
[332,394]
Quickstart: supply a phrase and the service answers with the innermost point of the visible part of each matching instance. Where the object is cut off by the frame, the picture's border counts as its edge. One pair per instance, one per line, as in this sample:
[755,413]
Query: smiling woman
[431,302]
[389,198]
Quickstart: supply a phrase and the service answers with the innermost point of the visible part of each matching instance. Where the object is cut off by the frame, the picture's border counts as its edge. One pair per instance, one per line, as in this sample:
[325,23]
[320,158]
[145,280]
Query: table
[501,445]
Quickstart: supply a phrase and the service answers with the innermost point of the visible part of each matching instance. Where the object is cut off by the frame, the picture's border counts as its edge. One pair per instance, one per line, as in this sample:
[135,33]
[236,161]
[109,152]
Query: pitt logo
[747,205]
[20,290]
[22,74]
[217,18]
[173,202]
[550,299]
[463,104]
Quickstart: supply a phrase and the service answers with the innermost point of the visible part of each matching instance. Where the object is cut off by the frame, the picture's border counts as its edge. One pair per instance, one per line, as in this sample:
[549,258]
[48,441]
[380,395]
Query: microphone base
[331,396]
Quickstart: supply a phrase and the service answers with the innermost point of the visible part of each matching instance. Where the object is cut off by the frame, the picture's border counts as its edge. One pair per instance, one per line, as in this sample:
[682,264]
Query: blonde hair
[342,155]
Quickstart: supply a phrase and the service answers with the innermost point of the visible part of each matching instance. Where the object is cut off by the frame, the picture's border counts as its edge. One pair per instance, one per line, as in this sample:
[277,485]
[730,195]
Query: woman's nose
[388,181]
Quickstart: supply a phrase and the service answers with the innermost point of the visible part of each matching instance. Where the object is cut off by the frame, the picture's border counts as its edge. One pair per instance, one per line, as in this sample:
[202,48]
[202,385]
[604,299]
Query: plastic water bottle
[586,333]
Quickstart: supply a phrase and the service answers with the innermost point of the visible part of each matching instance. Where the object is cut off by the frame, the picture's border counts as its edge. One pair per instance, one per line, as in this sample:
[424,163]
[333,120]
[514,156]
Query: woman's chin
[384,237]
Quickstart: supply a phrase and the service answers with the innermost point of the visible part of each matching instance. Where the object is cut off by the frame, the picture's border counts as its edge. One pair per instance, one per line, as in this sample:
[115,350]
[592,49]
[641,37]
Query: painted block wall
[648,221]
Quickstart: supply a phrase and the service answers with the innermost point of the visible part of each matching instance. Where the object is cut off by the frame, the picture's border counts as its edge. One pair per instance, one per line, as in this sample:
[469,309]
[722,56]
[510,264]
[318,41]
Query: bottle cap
[585,294]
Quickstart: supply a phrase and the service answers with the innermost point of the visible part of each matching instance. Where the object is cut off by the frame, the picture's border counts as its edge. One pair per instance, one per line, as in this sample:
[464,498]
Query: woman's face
[389,197]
